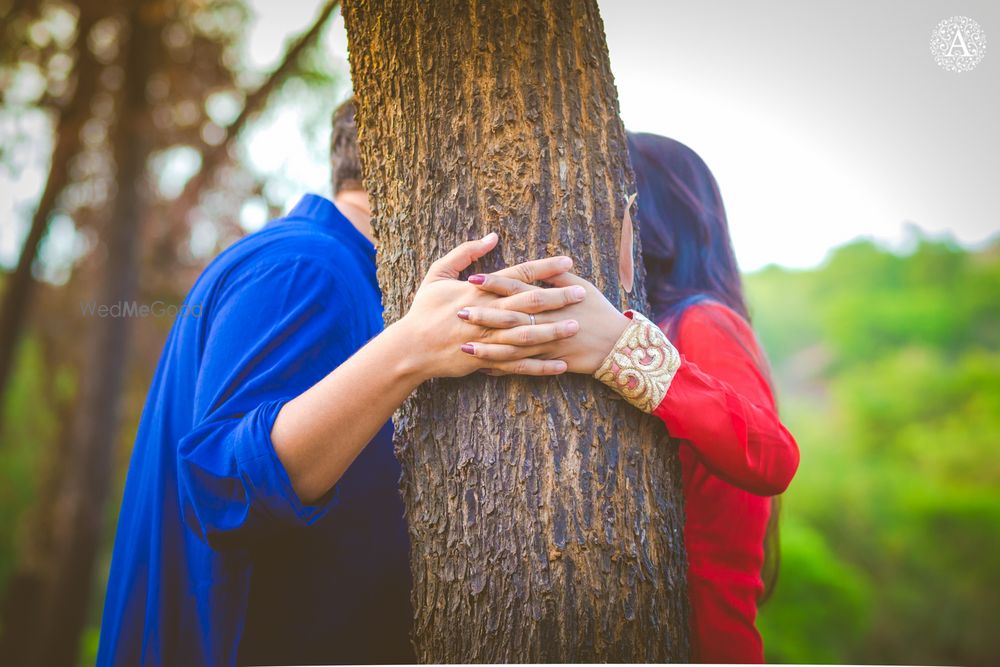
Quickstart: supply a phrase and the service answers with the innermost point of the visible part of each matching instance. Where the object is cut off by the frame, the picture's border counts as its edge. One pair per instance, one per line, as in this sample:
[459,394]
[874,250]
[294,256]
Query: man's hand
[444,345]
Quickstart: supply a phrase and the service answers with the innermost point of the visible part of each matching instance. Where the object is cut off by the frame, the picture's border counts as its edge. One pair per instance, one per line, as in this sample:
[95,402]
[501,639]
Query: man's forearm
[318,434]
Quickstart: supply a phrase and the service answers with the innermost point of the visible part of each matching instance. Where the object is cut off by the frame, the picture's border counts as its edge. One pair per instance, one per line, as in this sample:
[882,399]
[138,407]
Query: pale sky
[822,122]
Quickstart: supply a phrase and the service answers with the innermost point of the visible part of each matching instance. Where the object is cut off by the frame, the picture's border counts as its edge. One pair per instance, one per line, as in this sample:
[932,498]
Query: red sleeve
[721,403]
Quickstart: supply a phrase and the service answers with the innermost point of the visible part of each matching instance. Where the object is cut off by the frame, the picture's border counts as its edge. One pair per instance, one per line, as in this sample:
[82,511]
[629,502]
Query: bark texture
[545,515]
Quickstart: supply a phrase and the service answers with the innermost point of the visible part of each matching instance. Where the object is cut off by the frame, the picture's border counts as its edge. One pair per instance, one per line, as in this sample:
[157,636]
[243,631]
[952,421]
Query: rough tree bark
[545,515]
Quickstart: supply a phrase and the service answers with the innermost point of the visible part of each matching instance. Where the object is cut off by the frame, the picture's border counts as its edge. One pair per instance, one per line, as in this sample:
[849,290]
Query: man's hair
[345,165]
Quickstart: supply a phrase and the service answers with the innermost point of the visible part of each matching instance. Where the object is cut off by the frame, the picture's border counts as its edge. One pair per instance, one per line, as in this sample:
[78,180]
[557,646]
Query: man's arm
[275,428]
[318,434]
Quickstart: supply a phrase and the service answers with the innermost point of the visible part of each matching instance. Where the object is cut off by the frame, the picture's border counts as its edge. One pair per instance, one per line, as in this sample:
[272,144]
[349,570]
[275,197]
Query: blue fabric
[216,560]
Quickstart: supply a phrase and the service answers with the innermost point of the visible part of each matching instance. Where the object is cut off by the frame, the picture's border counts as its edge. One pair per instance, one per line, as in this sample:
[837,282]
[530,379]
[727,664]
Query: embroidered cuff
[641,365]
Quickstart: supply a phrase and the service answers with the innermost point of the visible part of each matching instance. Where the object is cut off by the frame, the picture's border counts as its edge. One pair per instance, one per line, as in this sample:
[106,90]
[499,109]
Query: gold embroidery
[641,365]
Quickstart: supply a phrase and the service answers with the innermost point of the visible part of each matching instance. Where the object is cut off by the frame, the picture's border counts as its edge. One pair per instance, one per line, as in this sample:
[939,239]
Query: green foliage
[818,591]
[893,524]
[30,426]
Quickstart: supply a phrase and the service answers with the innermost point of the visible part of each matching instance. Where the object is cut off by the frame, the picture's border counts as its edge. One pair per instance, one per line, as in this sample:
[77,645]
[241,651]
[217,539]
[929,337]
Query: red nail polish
[469,348]
[477,279]
[463,314]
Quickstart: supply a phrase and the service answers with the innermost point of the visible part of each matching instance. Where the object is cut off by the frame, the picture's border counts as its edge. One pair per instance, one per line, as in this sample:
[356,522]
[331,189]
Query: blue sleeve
[269,336]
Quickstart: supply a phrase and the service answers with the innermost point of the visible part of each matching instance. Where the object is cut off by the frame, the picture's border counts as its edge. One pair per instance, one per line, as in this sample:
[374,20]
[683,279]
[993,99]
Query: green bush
[892,526]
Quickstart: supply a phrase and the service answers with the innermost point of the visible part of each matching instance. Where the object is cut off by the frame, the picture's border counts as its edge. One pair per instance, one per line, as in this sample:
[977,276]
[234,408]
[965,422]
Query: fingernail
[464,314]
[489,237]
[565,263]
[477,279]
[469,348]
[577,292]
[560,366]
[572,326]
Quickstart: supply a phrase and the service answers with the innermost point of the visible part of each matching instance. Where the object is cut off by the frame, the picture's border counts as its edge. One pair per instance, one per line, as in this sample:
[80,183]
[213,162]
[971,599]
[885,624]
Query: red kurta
[734,454]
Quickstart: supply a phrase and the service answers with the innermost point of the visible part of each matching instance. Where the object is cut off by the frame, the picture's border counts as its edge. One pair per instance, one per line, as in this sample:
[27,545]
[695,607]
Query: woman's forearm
[741,441]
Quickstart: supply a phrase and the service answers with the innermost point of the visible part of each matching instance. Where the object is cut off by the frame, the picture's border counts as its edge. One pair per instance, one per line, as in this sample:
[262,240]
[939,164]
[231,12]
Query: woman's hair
[689,257]
[682,223]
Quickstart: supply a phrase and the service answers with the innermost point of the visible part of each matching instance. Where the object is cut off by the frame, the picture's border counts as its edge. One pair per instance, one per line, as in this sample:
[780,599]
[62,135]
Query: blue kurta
[216,561]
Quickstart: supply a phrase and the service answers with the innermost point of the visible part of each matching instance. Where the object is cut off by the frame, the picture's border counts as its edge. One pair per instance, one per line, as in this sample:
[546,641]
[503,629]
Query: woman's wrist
[611,333]
[641,364]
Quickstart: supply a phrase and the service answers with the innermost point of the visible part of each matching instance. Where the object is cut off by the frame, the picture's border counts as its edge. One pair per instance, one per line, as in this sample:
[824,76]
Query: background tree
[127,86]
[545,515]
[71,113]
[80,504]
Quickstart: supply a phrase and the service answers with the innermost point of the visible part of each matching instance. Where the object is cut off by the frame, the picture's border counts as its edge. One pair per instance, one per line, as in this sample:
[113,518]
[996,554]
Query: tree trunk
[545,515]
[80,508]
[20,284]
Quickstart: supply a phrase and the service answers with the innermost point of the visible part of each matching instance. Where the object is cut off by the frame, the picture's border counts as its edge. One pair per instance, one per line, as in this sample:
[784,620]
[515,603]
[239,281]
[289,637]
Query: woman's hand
[600,323]
[444,344]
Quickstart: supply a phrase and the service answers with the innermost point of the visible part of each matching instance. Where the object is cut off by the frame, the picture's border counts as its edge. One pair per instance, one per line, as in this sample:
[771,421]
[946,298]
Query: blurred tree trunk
[545,515]
[19,614]
[53,634]
[212,157]
[81,504]
[75,473]
[20,284]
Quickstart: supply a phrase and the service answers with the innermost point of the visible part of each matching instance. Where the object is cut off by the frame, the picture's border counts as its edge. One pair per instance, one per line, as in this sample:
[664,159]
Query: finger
[529,335]
[461,257]
[537,269]
[498,353]
[541,300]
[494,318]
[566,279]
[531,367]
[499,284]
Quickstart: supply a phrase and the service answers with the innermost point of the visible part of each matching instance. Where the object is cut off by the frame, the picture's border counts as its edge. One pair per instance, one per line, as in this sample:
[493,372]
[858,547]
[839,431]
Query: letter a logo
[958,42]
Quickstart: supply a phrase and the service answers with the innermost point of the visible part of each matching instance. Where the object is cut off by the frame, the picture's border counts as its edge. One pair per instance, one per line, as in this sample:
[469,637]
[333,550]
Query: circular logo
[958,44]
